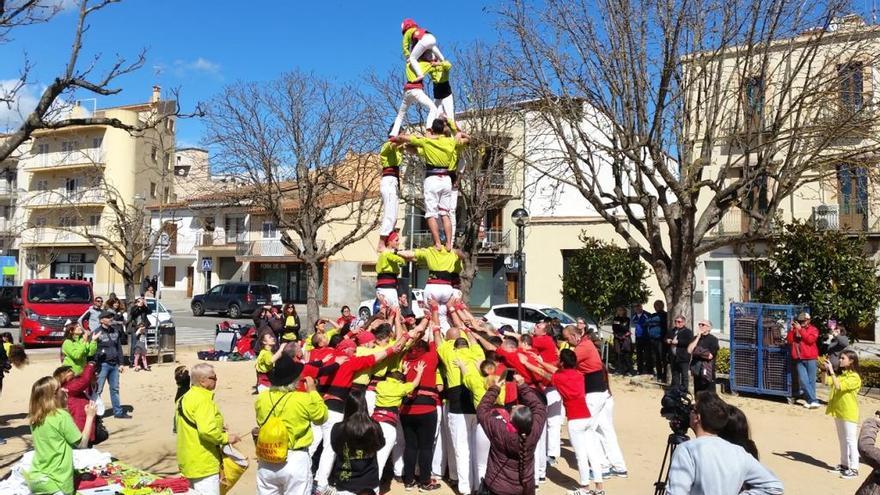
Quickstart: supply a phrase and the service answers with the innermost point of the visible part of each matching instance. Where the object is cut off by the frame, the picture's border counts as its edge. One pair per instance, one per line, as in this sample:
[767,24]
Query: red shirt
[545,346]
[426,396]
[511,358]
[588,357]
[509,386]
[570,385]
[806,348]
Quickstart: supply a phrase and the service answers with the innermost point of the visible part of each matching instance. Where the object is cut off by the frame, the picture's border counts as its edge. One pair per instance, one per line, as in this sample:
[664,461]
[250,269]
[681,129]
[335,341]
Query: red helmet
[407,24]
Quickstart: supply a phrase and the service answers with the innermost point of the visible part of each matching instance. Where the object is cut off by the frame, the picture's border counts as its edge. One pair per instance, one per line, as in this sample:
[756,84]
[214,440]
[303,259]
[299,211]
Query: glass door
[715,297]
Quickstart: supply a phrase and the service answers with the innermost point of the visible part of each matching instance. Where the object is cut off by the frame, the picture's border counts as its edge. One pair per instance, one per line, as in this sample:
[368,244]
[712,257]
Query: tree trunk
[130,289]
[313,296]
[467,275]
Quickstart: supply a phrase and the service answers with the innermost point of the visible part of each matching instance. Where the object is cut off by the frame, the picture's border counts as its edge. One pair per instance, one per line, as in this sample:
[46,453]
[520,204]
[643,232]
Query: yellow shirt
[198,448]
[437,151]
[390,155]
[390,392]
[363,377]
[264,361]
[449,354]
[297,410]
[329,333]
[388,262]
[476,383]
[844,403]
[439,73]
[436,260]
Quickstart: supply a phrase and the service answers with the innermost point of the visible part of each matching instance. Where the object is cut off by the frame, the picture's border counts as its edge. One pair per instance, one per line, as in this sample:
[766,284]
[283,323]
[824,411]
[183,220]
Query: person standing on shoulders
[681,358]
[109,356]
[843,406]
[201,433]
[804,351]
[704,351]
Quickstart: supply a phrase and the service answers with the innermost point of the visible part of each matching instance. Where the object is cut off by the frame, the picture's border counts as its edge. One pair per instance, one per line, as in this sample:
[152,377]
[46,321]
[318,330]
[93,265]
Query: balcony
[8,190]
[220,239]
[844,121]
[489,241]
[733,222]
[47,236]
[64,160]
[63,198]
[849,218]
[268,248]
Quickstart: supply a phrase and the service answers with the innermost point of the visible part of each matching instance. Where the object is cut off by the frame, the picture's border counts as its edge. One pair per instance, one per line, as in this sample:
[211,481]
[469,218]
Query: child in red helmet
[417,41]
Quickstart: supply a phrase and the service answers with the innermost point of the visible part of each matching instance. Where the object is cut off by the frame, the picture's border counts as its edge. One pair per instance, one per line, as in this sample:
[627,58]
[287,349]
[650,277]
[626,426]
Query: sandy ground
[797,444]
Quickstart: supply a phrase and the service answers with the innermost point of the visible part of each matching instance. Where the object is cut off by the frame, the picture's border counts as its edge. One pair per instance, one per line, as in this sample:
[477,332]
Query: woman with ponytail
[511,468]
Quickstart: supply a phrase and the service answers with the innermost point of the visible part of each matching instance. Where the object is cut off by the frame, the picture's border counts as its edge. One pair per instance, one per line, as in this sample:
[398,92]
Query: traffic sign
[207,264]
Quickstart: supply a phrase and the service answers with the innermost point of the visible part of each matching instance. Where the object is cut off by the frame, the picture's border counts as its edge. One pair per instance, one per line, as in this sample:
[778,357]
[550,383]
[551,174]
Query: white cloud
[183,68]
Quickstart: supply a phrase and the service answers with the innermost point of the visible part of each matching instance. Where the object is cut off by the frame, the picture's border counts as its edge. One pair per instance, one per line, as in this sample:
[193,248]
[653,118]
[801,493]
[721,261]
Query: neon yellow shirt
[843,403]
[476,383]
[388,262]
[198,449]
[390,392]
[449,354]
[390,155]
[297,411]
[329,333]
[436,260]
[264,361]
[439,73]
[439,151]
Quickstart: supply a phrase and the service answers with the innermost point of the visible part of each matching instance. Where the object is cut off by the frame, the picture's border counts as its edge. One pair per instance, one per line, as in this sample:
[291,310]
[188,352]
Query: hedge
[869,368]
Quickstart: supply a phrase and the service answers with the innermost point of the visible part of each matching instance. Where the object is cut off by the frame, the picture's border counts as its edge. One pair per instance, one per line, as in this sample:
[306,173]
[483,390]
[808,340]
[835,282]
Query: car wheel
[4,320]
[198,309]
[364,313]
[234,311]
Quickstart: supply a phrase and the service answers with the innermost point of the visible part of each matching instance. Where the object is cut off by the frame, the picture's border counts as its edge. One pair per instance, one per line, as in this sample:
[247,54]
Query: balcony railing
[220,238]
[491,240]
[267,248]
[8,188]
[851,218]
[62,198]
[44,235]
[733,222]
[85,156]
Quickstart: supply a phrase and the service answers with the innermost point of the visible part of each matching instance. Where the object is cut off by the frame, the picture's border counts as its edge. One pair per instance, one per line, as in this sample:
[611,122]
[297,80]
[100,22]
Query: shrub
[722,361]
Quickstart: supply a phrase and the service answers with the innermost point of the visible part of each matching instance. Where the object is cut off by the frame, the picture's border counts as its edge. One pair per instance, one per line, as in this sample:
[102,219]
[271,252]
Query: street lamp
[520,218]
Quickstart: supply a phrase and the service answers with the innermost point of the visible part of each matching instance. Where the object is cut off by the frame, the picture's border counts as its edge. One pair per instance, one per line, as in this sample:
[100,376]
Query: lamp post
[520,218]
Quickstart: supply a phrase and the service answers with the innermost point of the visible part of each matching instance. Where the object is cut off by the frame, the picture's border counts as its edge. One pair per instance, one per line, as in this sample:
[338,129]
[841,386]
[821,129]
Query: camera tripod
[672,442]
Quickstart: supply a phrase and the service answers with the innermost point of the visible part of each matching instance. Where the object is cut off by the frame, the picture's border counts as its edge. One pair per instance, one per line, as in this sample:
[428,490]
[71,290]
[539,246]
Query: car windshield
[564,317]
[59,293]
[274,290]
[151,303]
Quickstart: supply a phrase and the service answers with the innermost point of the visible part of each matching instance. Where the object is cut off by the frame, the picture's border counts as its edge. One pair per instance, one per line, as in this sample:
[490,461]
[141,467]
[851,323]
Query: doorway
[512,291]
[715,296]
[169,276]
[190,275]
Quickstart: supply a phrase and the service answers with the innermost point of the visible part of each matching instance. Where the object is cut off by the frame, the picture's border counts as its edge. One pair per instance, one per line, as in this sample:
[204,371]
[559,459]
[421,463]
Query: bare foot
[438,246]
[449,246]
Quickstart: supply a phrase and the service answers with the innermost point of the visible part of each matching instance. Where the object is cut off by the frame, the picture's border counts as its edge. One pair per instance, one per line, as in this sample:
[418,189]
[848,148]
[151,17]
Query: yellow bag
[272,438]
[234,465]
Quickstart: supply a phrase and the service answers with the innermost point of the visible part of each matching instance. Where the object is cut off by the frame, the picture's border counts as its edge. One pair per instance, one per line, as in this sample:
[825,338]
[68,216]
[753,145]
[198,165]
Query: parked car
[232,299]
[276,296]
[506,314]
[47,304]
[158,313]
[416,302]
[10,304]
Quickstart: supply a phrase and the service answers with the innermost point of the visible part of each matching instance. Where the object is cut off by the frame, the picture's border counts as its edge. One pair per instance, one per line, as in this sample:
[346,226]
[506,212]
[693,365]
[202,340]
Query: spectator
[109,357]
[297,410]
[140,349]
[78,347]
[643,340]
[201,433]
[843,406]
[91,319]
[346,317]
[262,316]
[658,330]
[511,469]
[77,388]
[53,435]
[681,339]
[406,310]
[355,441]
[181,379]
[291,324]
[703,349]
[710,465]
[145,284]
[623,346]
[738,432]
[870,455]
[804,351]
[836,343]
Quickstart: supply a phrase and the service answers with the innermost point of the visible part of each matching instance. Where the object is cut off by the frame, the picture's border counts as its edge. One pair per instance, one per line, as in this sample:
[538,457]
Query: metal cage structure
[760,358]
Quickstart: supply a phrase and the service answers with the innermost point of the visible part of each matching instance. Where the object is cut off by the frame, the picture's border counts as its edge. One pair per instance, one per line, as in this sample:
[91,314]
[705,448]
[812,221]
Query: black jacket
[109,346]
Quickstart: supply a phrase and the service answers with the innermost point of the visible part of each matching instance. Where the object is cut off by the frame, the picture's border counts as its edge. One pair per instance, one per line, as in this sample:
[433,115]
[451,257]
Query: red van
[47,304]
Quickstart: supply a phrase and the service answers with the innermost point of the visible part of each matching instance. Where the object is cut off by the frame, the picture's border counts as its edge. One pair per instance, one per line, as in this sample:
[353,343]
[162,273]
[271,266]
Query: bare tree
[669,117]
[308,153]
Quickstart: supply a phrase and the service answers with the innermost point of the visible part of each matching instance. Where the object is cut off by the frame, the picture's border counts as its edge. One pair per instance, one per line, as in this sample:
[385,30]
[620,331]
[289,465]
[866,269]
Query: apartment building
[8,230]
[67,177]
[840,196]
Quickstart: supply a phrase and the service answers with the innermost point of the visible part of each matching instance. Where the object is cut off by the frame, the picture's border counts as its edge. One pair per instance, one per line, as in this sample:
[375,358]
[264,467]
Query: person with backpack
[284,434]
[201,433]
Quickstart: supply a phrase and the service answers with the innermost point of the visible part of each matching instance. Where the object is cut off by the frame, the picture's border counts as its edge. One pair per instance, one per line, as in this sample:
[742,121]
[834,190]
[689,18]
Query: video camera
[676,406]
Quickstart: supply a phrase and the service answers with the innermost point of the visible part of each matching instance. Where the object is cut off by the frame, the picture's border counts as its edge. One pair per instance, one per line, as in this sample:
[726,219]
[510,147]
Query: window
[166,195]
[94,220]
[42,185]
[507,312]
[240,289]
[216,289]
[852,85]
[72,186]
[753,101]
[169,125]
[69,146]
[168,162]
[269,231]
[68,221]
[154,154]
[852,197]
[153,190]
[97,142]
[42,148]
[40,222]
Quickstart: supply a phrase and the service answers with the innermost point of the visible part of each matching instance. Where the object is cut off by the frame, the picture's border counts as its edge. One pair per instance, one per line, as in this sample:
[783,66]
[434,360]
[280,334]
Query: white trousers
[261,388]
[325,464]
[291,478]
[388,188]
[208,485]
[440,293]
[601,406]
[441,438]
[554,422]
[392,435]
[390,296]
[437,190]
[587,449]
[428,42]
[411,96]
[481,451]
[370,397]
[541,456]
[847,435]
[462,436]
[445,106]
[453,202]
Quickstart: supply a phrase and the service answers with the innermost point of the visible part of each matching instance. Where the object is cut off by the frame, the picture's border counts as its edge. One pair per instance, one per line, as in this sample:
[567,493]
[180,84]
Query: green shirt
[52,467]
[437,151]
[437,260]
[264,361]
[200,434]
[76,352]
[388,262]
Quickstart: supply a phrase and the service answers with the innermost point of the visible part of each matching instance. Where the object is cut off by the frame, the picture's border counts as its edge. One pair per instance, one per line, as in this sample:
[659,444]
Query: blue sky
[201,45]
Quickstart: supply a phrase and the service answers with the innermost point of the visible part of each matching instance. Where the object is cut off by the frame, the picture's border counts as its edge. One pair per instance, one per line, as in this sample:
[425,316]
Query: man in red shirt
[545,346]
[804,351]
